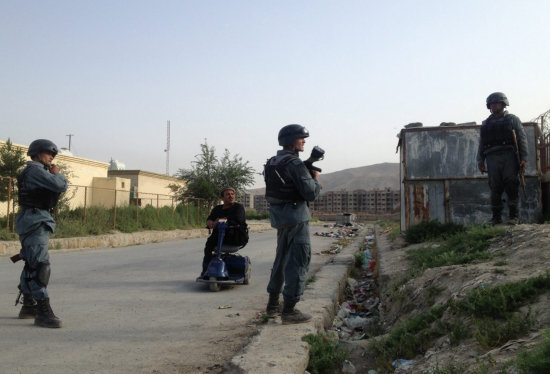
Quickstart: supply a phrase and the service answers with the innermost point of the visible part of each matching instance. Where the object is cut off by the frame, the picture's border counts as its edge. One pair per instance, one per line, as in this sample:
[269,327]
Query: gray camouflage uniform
[291,219]
[502,163]
[34,227]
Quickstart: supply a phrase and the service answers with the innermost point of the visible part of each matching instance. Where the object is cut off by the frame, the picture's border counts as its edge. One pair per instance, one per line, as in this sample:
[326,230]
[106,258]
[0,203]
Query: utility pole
[167,150]
[70,136]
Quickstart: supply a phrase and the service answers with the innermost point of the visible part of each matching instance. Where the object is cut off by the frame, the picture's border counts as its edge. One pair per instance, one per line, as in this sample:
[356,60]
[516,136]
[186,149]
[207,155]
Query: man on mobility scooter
[220,264]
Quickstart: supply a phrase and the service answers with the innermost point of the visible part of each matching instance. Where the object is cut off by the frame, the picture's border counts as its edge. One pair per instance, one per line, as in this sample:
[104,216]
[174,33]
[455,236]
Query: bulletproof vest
[497,132]
[278,183]
[40,198]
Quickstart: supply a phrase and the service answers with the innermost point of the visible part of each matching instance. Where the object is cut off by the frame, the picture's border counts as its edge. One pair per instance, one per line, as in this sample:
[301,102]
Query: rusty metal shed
[441,181]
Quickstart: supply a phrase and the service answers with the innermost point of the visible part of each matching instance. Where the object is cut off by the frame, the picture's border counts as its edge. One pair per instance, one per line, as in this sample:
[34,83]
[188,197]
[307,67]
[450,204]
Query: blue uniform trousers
[291,262]
[34,251]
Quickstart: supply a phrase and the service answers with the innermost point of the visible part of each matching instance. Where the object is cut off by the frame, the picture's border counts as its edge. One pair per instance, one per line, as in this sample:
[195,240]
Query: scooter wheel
[248,274]
[214,287]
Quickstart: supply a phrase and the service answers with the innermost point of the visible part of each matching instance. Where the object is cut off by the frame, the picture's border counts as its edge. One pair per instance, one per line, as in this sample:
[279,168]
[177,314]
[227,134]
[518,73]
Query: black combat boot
[45,316]
[293,315]
[28,310]
[497,219]
[513,215]
[273,307]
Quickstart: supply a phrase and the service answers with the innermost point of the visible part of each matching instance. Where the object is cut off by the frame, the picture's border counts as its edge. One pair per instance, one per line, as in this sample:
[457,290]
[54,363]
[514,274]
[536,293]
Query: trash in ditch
[348,368]
[402,363]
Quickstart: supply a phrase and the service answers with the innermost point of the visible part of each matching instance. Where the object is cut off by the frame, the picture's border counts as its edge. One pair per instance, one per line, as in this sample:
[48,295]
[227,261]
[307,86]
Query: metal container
[441,181]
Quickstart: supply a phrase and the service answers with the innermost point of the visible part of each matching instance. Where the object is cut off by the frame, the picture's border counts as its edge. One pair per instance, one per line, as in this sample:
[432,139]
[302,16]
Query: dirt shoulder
[522,253]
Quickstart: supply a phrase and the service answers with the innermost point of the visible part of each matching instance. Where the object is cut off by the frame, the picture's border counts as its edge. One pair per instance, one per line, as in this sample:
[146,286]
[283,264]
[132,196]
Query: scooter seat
[227,248]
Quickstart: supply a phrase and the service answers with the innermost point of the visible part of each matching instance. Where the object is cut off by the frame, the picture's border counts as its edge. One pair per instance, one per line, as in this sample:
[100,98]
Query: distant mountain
[371,177]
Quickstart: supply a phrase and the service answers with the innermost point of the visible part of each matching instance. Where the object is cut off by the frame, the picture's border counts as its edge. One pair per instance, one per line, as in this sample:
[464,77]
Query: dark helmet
[225,189]
[497,97]
[42,145]
[289,133]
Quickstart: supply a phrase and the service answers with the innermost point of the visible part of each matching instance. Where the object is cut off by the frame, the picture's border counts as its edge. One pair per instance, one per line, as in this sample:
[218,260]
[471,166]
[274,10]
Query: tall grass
[461,247]
[71,223]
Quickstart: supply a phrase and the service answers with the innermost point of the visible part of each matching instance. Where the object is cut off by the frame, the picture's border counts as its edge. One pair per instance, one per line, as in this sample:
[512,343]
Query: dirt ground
[523,252]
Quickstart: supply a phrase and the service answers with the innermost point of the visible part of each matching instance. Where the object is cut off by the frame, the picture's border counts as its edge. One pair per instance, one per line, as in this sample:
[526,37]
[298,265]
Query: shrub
[325,355]
[431,230]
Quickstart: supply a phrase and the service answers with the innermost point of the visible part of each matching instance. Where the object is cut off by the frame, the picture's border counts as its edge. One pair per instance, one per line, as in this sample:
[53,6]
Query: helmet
[289,133]
[497,97]
[42,145]
[225,189]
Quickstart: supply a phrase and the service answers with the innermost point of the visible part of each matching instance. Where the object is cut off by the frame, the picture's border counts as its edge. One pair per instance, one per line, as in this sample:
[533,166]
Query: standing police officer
[289,188]
[39,185]
[497,147]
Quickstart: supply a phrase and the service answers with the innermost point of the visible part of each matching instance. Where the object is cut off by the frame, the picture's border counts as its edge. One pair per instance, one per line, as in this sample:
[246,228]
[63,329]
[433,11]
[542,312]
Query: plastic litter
[402,363]
[348,368]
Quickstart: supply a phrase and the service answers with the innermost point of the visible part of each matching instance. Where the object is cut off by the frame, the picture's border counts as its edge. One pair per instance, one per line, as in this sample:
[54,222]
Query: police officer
[39,185]
[289,188]
[497,149]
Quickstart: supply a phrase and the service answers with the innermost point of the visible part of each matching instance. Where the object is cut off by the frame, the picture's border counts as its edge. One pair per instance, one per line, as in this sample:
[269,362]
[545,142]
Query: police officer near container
[497,150]
[289,188]
[39,185]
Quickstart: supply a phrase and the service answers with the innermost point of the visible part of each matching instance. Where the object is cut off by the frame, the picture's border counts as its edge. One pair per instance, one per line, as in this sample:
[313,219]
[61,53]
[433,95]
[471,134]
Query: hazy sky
[234,72]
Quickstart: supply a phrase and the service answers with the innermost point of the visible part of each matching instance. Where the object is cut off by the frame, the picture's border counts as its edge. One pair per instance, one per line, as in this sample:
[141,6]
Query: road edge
[279,348]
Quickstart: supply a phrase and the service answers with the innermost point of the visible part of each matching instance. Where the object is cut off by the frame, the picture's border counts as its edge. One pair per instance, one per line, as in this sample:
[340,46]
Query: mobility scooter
[227,267]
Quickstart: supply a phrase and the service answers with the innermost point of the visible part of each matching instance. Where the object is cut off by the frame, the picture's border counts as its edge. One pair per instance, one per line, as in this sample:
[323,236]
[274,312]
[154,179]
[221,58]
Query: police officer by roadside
[289,188]
[39,185]
[497,156]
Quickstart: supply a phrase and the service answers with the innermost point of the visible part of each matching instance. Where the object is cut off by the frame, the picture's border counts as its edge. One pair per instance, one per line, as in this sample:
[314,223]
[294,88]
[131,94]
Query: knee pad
[43,274]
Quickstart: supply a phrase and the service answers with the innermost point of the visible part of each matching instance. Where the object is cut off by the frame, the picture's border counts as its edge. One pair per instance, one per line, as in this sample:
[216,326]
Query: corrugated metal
[440,178]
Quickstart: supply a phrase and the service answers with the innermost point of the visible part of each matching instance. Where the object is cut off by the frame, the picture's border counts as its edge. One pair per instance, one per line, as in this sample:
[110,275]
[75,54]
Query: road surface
[137,309]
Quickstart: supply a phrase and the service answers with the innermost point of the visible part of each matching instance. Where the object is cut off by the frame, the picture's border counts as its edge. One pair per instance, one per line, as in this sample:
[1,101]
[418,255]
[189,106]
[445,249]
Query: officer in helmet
[289,188]
[497,156]
[39,186]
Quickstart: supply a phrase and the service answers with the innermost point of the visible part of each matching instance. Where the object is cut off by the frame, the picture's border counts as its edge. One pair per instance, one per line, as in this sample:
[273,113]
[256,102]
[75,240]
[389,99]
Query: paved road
[136,310]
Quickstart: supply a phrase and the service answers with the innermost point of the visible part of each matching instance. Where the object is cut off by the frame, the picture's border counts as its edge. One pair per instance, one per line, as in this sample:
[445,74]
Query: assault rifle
[521,169]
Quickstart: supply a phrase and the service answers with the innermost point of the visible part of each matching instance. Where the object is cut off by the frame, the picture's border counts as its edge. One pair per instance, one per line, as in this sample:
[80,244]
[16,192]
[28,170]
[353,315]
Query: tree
[63,204]
[209,174]
[12,161]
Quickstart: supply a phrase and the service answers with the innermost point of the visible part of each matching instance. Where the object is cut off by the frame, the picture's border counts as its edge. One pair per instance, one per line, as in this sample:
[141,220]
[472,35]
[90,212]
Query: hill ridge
[371,177]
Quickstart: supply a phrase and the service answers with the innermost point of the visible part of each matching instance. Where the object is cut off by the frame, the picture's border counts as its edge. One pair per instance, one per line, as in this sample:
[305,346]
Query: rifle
[521,170]
[15,258]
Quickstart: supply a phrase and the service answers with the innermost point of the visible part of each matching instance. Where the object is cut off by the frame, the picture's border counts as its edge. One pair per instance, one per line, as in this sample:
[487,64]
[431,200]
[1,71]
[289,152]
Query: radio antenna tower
[167,150]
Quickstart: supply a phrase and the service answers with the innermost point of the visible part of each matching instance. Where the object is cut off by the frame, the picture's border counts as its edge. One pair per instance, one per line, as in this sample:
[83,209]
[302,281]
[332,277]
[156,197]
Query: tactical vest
[497,132]
[278,183]
[39,198]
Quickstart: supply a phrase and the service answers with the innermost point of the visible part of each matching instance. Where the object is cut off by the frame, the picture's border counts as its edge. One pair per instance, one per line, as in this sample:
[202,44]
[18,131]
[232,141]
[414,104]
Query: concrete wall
[109,191]
[80,172]
[149,188]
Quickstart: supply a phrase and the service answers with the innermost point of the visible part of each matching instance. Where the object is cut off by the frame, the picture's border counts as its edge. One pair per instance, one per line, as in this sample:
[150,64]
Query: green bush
[536,361]
[325,355]
[499,301]
[251,213]
[432,230]
[459,248]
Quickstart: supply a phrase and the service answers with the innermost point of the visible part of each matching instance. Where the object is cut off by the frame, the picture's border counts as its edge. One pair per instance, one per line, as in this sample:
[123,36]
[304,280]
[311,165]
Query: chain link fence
[92,210]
